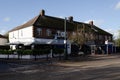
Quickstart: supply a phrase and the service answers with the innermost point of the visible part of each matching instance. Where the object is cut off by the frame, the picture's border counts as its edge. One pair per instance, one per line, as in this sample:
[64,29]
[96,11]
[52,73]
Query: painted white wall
[22,35]
[3,41]
[25,36]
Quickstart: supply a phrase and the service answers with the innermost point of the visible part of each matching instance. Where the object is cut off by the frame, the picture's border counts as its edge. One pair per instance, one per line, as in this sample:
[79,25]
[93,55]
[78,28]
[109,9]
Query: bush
[9,51]
[2,52]
[27,52]
[6,52]
[23,52]
[58,51]
[19,51]
[46,51]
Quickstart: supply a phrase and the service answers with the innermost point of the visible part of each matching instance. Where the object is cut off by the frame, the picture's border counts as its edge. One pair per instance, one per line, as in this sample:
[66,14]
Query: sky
[104,13]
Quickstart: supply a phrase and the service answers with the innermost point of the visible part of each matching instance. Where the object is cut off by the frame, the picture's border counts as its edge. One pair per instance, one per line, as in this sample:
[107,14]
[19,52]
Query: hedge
[58,51]
[32,52]
[6,51]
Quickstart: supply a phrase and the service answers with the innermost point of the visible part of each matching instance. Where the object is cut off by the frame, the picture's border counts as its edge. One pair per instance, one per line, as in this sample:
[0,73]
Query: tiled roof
[101,31]
[53,22]
[56,23]
[95,28]
[46,21]
[27,24]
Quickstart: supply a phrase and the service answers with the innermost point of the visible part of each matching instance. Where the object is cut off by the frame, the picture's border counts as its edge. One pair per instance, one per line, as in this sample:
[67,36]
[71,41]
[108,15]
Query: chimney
[70,19]
[42,12]
[91,23]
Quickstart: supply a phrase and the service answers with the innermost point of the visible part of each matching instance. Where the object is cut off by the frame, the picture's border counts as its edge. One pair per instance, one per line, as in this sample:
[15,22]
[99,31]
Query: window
[106,38]
[96,37]
[62,34]
[48,32]
[58,33]
[101,37]
[21,33]
[39,31]
[73,33]
[13,35]
[110,38]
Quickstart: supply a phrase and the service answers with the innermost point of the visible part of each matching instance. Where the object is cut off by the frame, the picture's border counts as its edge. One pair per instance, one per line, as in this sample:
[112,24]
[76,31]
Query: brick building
[44,29]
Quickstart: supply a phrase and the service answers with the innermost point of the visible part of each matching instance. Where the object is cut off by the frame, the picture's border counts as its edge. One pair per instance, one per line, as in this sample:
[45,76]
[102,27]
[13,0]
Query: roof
[46,21]
[27,24]
[101,31]
[56,23]
[95,28]
[1,36]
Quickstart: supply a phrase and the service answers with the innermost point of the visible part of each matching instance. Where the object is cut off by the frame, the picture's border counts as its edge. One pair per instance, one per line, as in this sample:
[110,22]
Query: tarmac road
[99,67]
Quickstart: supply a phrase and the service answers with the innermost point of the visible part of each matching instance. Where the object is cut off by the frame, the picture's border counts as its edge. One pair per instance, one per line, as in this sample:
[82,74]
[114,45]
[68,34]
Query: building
[92,36]
[3,40]
[44,29]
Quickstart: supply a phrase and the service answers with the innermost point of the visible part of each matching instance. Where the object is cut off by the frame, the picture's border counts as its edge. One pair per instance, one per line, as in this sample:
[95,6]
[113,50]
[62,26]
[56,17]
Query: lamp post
[65,41]
[106,42]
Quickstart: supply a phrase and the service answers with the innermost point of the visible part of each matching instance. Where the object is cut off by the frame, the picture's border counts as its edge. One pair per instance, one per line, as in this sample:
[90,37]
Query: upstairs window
[48,31]
[100,37]
[21,33]
[110,38]
[13,35]
[39,31]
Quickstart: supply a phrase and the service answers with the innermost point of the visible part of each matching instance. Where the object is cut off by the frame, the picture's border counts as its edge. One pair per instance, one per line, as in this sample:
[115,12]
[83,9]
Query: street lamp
[65,41]
[106,42]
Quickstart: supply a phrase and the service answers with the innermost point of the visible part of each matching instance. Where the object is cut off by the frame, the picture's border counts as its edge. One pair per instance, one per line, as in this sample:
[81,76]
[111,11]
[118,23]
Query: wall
[3,41]
[22,35]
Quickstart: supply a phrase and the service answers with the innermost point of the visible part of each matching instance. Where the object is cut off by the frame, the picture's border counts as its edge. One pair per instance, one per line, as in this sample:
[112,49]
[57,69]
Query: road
[99,67]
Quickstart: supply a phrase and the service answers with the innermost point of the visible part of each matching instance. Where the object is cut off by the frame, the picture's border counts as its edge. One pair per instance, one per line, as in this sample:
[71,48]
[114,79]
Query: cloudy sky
[104,13]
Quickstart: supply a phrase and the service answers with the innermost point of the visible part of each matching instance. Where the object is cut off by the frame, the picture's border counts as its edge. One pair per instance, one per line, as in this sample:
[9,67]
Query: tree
[117,41]
[82,34]
[78,35]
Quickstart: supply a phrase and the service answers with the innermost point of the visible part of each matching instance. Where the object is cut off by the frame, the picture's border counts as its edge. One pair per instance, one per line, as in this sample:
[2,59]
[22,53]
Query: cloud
[6,19]
[61,17]
[2,31]
[99,24]
[117,6]
[114,32]
[96,22]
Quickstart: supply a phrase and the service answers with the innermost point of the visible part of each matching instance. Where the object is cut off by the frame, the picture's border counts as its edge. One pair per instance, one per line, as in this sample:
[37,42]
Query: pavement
[94,67]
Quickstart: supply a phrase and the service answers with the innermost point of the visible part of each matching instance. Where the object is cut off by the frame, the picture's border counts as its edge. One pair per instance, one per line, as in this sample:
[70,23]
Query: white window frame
[59,33]
[48,31]
[39,31]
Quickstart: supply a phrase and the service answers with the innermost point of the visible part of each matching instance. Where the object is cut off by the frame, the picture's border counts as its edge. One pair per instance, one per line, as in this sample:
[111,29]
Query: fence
[31,54]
